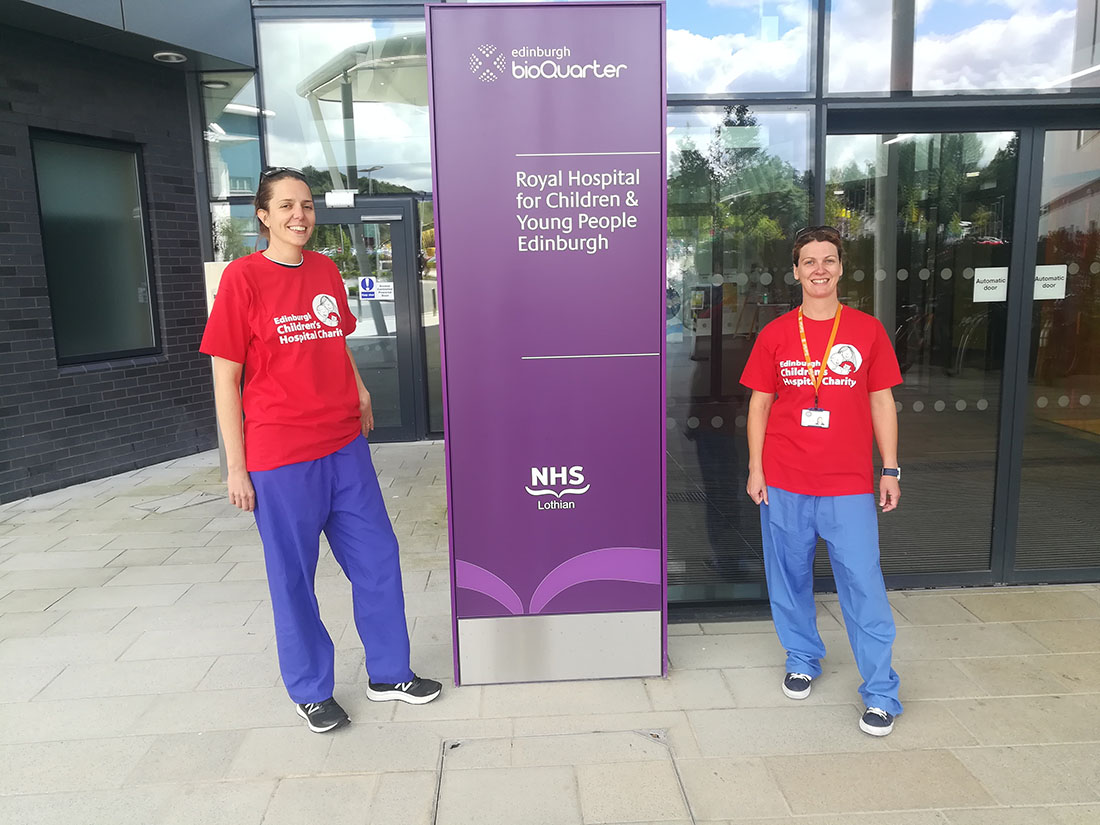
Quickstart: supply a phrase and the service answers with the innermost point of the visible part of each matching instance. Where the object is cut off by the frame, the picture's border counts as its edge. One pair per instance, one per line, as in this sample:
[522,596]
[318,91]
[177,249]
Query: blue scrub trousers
[339,496]
[790,524]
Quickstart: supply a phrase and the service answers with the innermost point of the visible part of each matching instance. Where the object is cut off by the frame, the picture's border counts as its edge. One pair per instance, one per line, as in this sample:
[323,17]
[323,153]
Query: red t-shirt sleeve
[883,371]
[227,330]
[759,372]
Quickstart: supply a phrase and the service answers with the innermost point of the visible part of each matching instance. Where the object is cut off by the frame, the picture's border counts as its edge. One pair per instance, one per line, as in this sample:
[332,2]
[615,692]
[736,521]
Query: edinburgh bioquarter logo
[551,483]
[488,63]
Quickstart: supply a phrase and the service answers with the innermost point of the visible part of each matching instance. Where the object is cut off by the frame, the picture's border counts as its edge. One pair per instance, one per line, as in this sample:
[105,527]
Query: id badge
[813,417]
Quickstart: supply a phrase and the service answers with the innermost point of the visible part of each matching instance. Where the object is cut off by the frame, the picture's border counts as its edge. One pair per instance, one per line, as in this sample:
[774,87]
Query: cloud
[1026,50]
[736,62]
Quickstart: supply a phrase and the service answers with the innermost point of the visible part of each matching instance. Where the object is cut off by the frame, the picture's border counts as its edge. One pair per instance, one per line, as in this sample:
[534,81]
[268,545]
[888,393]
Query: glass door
[928,222]
[1058,523]
[373,246]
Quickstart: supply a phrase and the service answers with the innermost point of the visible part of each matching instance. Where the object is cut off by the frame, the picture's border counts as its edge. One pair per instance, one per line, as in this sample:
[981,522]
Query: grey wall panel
[107,12]
[222,28]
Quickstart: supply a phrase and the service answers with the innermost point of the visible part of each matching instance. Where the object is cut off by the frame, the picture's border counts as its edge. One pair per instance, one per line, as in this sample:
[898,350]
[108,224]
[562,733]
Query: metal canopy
[393,70]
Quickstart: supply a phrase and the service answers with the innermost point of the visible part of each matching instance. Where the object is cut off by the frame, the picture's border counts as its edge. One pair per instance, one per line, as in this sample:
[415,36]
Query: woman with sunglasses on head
[297,453]
[821,379]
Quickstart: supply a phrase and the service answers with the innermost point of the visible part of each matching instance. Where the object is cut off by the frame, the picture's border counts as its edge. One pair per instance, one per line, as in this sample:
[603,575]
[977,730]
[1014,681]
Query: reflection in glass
[1043,45]
[348,102]
[93,237]
[927,221]
[232,133]
[738,190]
[234,229]
[429,315]
[364,255]
[738,47]
[717,46]
[1058,525]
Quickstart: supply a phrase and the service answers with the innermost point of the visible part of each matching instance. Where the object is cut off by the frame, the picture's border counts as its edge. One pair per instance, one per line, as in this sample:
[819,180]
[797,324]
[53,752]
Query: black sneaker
[417,692]
[797,685]
[323,716]
[876,722]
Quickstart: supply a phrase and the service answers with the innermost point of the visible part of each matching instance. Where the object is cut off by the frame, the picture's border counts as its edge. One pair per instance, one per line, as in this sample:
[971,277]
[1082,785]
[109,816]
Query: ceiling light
[215,84]
[170,57]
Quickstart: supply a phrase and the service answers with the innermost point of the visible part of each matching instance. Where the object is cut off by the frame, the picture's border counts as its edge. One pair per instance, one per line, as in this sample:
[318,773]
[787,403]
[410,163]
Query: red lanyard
[816,378]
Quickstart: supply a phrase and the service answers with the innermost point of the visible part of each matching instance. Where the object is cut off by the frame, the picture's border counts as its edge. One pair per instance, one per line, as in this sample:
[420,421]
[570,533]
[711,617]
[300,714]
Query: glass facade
[231,132]
[1062,442]
[348,102]
[739,185]
[907,45]
[779,119]
[924,216]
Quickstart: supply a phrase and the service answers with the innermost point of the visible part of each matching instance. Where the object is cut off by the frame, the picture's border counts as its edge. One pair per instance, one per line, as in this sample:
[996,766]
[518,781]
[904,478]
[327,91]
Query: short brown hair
[817,233]
[268,179]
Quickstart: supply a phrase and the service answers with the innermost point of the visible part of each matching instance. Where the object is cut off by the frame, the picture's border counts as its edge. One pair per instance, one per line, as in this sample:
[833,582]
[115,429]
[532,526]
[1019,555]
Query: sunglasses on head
[281,170]
[807,230]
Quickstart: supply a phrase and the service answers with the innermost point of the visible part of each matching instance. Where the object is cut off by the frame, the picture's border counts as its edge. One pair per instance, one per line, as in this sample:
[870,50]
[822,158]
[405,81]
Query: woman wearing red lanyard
[821,379]
[300,458]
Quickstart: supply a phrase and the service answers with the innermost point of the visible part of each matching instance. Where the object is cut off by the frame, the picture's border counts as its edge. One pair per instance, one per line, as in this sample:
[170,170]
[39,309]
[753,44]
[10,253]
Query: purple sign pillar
[548,149]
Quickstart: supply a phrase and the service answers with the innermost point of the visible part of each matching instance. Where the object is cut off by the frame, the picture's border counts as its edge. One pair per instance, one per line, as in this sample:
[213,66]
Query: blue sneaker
[876,722]
[797,685]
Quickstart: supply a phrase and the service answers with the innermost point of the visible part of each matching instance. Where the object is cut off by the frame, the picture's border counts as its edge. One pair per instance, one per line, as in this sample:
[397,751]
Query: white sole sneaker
[321,728]
[796,694]
[399,696]
[871,730]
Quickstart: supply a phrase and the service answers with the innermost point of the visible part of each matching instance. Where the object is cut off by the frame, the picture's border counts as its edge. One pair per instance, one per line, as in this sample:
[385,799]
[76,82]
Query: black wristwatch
[892,471]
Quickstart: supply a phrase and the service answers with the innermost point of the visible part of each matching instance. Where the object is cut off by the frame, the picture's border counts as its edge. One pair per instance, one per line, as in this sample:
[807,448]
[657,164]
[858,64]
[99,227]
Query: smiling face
[288,217]
[819,269]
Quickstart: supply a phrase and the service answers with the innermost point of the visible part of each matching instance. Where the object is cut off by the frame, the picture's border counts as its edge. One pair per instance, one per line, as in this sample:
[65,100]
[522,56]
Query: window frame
[136,152]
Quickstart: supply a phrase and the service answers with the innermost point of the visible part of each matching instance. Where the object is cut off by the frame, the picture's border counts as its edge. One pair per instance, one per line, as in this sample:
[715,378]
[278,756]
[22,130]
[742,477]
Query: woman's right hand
[241,493]
[756,487]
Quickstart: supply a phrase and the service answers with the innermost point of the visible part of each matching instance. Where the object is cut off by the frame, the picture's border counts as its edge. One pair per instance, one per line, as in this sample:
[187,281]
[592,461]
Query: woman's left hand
[366,412]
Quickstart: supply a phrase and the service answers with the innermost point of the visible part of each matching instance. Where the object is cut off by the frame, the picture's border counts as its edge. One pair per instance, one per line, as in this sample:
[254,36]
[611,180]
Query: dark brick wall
[63,425]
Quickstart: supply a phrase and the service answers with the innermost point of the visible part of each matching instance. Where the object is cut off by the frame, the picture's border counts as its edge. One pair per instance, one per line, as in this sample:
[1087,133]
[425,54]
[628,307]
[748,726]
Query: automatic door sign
[1050,282]
[371,289]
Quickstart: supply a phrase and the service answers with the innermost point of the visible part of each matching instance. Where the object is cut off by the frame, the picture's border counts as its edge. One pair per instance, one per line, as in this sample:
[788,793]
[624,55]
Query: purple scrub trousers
[339,496]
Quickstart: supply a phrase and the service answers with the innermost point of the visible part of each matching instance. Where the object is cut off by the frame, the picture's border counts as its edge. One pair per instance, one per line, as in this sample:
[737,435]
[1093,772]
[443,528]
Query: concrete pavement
[138,684]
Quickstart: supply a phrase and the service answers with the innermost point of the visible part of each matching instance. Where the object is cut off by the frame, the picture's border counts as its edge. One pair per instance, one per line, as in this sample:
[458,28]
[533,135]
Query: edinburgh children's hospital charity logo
[844,359]
[324,307]
[484,60]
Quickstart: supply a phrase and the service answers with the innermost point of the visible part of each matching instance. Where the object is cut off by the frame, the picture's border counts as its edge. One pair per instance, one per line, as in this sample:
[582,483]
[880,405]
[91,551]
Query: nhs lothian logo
[568,480]
[484,60]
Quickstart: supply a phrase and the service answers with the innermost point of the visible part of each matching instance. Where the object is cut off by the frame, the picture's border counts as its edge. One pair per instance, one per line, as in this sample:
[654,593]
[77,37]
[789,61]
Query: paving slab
[838,783]
[1036,774]
[731,788]
[75,765]
[505,796]
[123,806]
[177,758]
[331,800]
[222,803]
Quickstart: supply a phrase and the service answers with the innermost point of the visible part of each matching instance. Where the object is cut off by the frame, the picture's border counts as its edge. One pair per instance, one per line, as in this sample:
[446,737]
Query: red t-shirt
[811,460]
[287,326]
